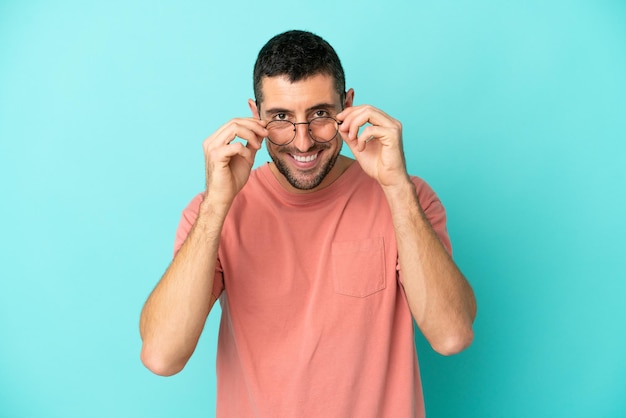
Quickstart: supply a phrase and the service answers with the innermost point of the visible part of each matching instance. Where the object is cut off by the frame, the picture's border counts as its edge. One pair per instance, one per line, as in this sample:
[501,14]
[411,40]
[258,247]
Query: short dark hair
[298,55]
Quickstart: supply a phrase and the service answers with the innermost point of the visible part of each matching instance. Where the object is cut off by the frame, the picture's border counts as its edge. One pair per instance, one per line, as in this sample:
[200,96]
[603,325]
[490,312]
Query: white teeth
[304,159]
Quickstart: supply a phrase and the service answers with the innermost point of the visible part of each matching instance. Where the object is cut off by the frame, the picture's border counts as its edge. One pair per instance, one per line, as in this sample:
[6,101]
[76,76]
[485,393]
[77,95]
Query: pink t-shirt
[315,322]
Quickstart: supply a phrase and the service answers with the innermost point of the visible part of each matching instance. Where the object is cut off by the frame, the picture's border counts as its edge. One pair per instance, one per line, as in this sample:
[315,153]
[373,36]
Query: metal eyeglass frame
[295,130]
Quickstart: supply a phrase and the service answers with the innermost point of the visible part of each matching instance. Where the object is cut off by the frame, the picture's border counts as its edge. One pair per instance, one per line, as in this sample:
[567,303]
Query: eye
[280,116]
[320,113]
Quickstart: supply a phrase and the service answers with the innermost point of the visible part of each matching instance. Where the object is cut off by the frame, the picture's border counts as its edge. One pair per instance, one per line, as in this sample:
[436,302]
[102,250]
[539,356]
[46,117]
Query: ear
[253,108]
[349,98]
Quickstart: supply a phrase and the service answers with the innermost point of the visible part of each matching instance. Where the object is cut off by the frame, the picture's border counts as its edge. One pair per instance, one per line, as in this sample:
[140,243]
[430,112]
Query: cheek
[338,143]
[272,150]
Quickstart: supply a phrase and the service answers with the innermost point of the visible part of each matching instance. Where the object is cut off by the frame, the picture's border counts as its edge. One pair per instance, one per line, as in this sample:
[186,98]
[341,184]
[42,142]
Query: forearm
[175,313]
[440,298]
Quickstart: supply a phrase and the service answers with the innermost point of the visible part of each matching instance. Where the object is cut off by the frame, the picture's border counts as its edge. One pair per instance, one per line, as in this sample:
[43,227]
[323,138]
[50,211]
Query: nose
[303,141]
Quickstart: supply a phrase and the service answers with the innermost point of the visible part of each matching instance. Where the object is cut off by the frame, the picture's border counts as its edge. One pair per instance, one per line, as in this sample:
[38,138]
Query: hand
[379,146]
[227,163]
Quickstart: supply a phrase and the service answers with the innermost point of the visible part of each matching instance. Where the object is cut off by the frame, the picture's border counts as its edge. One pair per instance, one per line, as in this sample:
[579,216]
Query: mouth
[306,161]
[304,158]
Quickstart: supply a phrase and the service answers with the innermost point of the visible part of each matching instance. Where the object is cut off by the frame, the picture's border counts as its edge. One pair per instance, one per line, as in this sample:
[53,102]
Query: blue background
[515,112]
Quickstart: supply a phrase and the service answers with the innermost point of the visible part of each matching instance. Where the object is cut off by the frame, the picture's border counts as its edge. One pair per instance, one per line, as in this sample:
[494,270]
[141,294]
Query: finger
[238,149]
[347,111]
[246,123]
[224,139]
[356,117]
[357,146]
[253,140]
[251,130]
[225,154]
[369,134]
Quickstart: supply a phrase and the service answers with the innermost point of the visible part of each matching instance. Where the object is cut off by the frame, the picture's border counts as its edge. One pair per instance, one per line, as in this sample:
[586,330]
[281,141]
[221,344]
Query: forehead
[279,92]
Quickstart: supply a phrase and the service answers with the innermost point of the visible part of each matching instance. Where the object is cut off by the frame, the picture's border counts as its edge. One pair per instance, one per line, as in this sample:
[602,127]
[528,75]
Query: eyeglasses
[321,129]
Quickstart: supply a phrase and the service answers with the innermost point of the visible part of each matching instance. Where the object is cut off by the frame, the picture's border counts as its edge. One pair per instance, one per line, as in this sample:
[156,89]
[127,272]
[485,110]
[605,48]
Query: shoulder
[433,209]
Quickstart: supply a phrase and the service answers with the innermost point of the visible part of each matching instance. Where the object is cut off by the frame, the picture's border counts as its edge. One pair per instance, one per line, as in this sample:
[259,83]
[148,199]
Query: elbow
[159,364]
[459,336]
[454,343]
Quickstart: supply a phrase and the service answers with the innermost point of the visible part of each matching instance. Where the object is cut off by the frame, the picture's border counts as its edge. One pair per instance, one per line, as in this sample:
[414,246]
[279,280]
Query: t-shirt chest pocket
[359,267]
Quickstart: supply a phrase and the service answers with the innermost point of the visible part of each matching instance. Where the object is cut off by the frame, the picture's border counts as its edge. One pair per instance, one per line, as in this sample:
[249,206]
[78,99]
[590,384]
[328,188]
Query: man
[320,262]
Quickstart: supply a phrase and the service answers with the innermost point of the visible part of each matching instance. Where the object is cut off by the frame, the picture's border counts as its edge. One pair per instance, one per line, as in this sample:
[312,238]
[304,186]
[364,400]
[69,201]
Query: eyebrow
[323,106]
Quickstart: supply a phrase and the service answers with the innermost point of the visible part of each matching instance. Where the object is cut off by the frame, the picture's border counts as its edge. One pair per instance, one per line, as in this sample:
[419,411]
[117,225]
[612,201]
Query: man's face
[305,164]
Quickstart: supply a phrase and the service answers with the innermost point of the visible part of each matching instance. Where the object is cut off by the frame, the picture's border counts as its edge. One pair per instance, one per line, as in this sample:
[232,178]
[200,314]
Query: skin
[440,298]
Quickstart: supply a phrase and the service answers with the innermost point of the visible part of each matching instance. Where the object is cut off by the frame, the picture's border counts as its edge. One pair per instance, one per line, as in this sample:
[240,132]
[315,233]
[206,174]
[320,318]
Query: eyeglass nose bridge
[295,128]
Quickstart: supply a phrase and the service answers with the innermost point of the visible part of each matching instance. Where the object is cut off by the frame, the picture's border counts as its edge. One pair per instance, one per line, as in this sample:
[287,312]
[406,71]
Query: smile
[305,159]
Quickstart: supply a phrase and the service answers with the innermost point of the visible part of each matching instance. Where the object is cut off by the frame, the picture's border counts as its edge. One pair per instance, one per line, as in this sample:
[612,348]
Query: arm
[440,298]
[173,317]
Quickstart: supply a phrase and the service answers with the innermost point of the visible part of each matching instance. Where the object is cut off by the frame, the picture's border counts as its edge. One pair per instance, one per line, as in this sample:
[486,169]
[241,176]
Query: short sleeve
[434,211]
[187,220]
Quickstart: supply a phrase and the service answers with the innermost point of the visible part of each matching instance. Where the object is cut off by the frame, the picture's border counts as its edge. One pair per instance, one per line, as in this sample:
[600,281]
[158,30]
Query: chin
[304,180]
